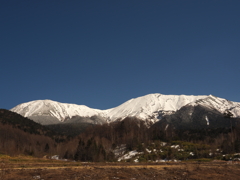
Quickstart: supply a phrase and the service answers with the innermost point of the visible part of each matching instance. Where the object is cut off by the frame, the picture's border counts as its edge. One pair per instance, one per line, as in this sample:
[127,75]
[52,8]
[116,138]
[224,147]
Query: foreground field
[23,168]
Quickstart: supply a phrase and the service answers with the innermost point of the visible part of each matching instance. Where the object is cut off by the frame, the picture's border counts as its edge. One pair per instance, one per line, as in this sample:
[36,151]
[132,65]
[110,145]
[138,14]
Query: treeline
[14,141]
[97,143]
[69,130]
[19,135]
[17,121]
[225,138]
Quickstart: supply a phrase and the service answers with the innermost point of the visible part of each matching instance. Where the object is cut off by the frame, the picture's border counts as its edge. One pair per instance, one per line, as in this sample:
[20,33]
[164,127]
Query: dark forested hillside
[19,135]
[69,129]
[97,142]
[223,132]
[25,124]
[14,141]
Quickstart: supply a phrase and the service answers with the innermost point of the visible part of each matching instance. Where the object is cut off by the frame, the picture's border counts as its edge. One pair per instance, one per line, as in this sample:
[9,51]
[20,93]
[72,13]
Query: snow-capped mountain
[219,104]
[201,114]
[52,112]
[150,107]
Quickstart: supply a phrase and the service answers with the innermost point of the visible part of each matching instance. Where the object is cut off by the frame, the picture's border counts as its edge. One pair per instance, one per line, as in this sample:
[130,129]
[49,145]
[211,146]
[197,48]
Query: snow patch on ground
[149,151]
[129,155]
[175,146]
[119,150]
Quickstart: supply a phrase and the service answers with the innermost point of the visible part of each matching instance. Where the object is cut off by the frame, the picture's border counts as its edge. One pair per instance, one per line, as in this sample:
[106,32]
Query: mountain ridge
[56,110]
[150,107]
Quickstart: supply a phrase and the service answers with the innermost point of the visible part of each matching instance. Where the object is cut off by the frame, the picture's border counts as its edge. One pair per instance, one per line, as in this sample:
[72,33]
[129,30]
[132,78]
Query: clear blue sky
[101,53]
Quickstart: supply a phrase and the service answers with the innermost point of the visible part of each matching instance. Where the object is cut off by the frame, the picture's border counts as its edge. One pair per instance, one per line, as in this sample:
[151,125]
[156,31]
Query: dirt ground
[56,170]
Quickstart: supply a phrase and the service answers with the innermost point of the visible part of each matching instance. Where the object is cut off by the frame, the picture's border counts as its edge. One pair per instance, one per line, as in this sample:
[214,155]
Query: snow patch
[191,153]
[166,127]
[175,146]
[206,118]
[129,155]
[149,151]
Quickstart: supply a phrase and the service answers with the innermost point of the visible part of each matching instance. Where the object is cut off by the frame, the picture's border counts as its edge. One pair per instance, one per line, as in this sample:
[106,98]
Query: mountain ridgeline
[181,110]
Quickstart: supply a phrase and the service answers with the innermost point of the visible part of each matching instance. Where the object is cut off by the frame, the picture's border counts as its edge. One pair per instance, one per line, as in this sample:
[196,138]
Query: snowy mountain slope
[151,107]
[59,111]
[202,113]
[148,106]
[219,104]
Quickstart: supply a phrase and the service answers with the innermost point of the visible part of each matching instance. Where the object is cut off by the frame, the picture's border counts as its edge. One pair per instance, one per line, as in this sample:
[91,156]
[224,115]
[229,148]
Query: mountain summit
[151,107]
[52,112]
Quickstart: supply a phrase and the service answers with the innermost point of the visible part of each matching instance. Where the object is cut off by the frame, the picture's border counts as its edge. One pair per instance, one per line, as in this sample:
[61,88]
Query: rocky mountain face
[196,117]
[202,114]
[175,109]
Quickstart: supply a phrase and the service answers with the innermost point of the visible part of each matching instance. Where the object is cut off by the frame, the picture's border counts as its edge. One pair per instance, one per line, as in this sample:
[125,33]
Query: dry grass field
[27,168]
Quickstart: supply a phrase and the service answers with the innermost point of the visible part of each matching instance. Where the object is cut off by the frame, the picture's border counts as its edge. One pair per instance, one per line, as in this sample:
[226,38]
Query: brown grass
[27,168]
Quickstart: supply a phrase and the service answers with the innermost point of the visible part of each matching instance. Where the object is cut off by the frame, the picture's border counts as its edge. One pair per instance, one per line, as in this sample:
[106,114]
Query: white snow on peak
[219,104]
[59,110]
[144,106]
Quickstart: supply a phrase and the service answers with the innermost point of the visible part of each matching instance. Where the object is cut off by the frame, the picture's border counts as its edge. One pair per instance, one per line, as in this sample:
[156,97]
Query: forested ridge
[17,121]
